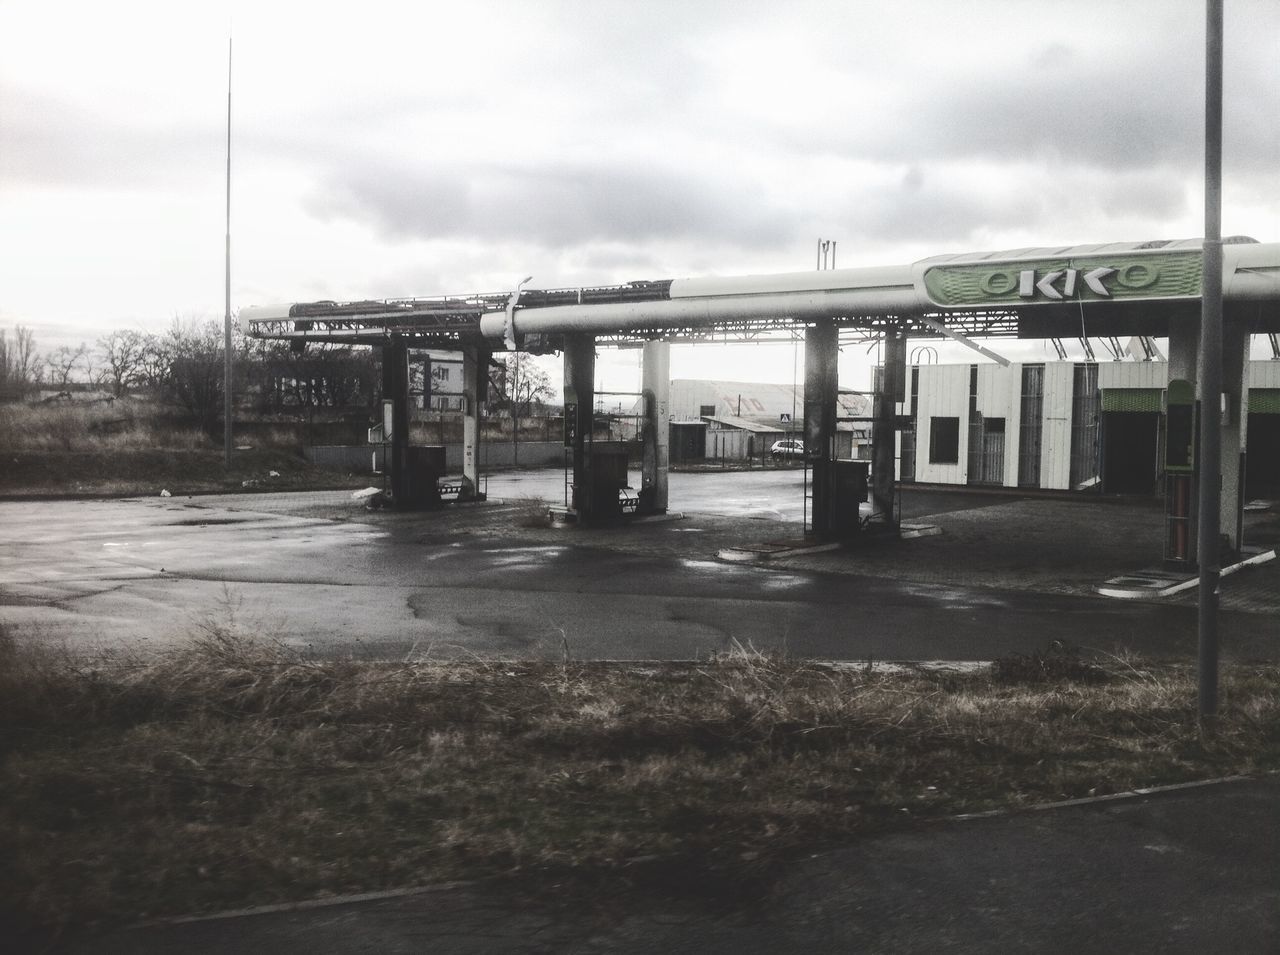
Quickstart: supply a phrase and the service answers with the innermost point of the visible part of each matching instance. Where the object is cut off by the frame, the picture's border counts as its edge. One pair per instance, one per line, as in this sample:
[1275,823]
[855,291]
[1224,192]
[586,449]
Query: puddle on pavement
[782,582]
[209,521]
[709,566]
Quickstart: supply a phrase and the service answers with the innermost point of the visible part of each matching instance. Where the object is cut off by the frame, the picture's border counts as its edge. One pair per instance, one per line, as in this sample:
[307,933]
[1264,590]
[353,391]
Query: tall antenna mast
[226,327]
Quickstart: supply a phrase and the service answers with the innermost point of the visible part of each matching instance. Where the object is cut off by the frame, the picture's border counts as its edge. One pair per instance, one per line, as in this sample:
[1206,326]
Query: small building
[730,438]
[762,402]
[740,421]
[1063,425]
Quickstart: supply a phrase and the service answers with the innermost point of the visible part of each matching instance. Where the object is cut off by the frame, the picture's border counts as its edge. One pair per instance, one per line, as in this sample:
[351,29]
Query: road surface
[155,572]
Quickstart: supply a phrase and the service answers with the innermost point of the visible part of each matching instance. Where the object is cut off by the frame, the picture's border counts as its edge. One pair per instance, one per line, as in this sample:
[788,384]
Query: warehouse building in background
[740,421]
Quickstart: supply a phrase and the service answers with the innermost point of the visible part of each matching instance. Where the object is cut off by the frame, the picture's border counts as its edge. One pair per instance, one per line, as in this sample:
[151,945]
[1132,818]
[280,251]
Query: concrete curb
[1146,791]
[1159,583]
[304,905]
[741,555]
[913,531]
[659,518]
[560,517]
[773,551]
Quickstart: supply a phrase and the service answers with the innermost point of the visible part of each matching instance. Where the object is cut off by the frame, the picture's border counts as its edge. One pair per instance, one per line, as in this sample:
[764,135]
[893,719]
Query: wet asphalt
[322,574]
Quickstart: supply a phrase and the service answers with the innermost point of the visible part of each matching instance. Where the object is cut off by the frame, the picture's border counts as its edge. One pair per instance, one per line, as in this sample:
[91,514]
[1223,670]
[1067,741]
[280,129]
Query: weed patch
[133,446]
[239,772]
[1057,663]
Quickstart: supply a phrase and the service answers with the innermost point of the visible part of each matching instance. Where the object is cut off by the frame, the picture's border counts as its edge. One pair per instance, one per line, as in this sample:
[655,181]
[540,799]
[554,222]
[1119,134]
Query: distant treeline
[185,365]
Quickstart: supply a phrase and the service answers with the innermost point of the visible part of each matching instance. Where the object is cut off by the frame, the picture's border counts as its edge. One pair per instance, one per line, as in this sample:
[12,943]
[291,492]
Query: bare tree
[122,353]
[6,372]
[195,370]
[62,363]
[521,382]
[20,365]
[154,363]
[321,375]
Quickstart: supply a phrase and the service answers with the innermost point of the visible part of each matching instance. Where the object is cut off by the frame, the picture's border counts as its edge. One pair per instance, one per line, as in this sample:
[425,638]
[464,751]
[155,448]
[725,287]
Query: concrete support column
[395,388]
[579,402]
[1235,391]
[821,391]
[1181,495]
[1184,350]
[656,394]
[892,390]
[475,387]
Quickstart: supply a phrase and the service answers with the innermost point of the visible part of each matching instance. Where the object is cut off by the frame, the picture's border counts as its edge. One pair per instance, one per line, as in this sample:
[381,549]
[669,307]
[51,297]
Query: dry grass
[137,447]
[238,772]
[115,426]
[530,512]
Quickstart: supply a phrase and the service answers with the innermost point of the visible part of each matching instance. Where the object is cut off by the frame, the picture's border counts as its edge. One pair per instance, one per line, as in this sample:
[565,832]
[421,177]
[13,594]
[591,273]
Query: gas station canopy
[1119,288]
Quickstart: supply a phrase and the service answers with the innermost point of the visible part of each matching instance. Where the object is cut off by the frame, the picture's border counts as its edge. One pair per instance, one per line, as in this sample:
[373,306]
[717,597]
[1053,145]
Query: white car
[787,448]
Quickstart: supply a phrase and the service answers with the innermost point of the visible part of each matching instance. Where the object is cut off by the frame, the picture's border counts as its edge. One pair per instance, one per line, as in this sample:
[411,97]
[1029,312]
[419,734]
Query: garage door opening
[1131,441]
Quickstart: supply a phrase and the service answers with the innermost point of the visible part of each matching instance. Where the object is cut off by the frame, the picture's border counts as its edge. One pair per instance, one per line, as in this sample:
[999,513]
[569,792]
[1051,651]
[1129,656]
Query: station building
[1064,425]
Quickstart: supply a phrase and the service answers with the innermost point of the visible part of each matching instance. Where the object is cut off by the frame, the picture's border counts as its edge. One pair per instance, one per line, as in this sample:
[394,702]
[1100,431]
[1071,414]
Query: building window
[944,440]
[706,411]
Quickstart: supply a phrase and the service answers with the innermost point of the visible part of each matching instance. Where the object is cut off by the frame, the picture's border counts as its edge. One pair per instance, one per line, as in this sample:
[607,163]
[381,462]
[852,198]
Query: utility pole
[1208,543]
[226,325]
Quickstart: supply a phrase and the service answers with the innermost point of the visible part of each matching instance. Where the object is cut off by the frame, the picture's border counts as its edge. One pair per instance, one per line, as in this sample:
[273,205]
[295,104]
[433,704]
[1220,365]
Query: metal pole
[1209,547]
[515,407]
[226,325]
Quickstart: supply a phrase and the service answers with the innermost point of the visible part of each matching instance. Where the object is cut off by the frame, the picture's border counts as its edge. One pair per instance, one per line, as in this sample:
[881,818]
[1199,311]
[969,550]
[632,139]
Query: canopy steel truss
[449,320]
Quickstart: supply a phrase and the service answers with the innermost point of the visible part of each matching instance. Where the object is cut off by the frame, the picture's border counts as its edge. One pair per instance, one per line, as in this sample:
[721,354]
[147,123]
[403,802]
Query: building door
[1030,427]
[1262,464]
[907,464]
[986,450]
[1085,403]
[1130,449]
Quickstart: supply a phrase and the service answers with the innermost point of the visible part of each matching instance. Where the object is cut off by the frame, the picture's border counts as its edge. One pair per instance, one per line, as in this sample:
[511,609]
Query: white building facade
[1062,425]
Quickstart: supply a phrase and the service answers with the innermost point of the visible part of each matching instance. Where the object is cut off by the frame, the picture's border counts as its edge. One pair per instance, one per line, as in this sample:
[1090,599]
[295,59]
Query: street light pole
[1208,543]
[226,325]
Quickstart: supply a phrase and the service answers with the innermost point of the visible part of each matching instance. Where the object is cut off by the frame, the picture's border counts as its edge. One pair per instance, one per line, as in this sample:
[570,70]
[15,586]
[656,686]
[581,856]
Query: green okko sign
[1097,278]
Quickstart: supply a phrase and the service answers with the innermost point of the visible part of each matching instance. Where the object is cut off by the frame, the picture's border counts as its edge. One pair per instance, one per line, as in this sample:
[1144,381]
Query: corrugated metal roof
[745,424]
[757,401]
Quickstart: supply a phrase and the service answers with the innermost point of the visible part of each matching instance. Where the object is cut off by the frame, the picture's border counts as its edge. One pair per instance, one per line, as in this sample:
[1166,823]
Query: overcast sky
[396,149]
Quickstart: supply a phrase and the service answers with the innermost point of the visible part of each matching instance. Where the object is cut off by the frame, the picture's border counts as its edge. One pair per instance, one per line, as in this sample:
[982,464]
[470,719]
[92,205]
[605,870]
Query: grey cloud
[1074,103]
[1080,116]
[549,206]
[940,214]
[948,213]
[609,258]
[1153,197]
[47,141]
[1052,55]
